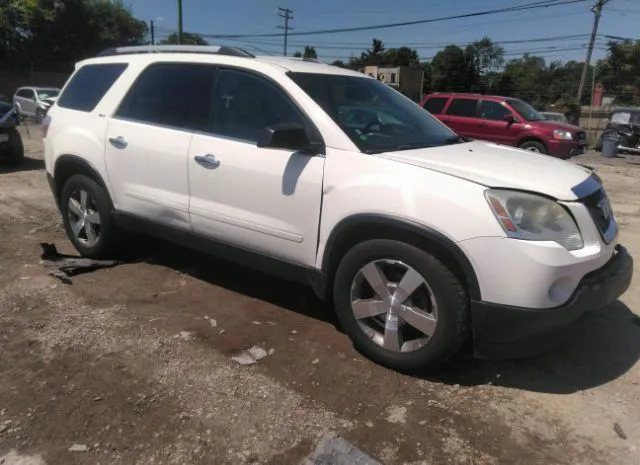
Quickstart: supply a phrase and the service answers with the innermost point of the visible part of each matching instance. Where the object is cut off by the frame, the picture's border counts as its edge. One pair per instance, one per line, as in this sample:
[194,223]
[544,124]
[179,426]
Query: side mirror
[509,118]
[289,136]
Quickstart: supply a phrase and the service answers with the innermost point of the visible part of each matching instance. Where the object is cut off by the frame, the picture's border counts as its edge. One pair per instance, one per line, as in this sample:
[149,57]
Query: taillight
[45,126]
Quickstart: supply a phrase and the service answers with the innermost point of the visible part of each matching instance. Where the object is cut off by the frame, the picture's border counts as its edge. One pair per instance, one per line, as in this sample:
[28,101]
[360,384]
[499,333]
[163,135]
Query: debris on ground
[64,267]
[213,322]
[187,335]
[4,426]
[619,431]
[334,450]
[250,356]
[78,448]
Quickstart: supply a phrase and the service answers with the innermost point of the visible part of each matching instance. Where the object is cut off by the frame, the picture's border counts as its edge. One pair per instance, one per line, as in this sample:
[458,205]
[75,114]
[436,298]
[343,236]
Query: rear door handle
[208,160]
[118,142]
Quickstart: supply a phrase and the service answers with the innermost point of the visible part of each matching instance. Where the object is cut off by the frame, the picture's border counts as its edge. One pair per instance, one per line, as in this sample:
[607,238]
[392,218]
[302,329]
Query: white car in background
[34,102]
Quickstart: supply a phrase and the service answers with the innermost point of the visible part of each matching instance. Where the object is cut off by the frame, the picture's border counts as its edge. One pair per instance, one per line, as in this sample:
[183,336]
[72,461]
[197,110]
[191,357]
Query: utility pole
[153,32]
[597,10]
[179,22]
[286,14]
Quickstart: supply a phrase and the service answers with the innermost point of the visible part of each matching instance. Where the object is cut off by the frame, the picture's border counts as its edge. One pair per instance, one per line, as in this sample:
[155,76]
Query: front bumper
[566,149]
[502,331]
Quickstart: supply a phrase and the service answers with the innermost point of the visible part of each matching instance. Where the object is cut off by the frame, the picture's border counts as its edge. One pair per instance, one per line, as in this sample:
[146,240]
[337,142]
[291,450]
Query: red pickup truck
[506,120]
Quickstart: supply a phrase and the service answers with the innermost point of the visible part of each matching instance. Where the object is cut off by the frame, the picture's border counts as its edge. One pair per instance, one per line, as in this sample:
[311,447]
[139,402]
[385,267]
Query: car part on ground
[625,122]
[326,176]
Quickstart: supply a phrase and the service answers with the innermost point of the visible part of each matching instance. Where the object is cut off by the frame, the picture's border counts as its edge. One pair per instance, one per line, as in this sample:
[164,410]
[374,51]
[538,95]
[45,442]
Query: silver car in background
[35,101]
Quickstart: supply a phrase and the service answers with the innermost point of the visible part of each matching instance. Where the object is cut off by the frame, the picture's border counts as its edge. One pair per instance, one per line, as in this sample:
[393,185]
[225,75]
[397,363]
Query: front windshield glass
[374,116]
[47,93]
[525,110]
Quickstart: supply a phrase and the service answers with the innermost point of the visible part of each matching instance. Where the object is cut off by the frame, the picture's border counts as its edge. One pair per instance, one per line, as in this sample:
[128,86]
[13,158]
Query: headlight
[534,218]
[558,134]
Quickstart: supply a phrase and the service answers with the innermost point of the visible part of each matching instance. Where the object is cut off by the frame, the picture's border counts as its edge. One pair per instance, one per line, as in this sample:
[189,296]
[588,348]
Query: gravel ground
[133,364]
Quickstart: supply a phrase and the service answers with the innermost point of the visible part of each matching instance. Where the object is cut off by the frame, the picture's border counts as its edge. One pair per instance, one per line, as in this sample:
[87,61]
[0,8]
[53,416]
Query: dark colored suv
[506,120]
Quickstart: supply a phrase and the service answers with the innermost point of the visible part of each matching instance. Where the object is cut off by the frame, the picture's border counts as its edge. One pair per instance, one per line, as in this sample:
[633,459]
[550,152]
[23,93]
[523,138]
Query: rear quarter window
[89,84]
[435,105]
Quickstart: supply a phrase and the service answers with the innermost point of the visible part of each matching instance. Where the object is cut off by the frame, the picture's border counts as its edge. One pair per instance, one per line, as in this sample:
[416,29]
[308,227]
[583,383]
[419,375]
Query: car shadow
[598,349]
[29,164]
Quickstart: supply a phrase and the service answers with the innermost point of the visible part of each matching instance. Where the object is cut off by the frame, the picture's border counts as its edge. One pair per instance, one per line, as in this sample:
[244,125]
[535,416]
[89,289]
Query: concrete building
[407,80]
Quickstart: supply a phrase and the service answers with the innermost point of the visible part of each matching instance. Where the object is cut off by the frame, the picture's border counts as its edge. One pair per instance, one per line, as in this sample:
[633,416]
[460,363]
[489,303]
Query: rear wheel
[87,215]
[534,146]
[400,306]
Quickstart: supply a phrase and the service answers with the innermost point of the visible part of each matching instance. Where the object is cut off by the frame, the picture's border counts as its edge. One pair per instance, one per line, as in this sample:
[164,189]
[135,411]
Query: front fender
[356,183]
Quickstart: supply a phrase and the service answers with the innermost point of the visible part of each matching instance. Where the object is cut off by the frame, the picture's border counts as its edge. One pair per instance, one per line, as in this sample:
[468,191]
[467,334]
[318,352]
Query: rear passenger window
[435,105]
[463,107]
[178,95]
[89,84]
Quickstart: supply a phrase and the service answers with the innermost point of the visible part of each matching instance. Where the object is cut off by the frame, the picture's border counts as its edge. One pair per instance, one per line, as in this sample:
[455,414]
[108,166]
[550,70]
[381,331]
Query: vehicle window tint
[26,93]
[171,94]
[245,104]
[435,105]
[463,107]
[494,111]
[89,84]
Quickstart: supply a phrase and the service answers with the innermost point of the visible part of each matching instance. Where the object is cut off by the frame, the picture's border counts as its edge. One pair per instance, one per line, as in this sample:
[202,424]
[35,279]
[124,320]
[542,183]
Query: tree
[619,72]
[374,55]
[403,56]
[309,52]
[55,34]
[452,71]
[297,54]
[339,64]
[485,56]
[187,39]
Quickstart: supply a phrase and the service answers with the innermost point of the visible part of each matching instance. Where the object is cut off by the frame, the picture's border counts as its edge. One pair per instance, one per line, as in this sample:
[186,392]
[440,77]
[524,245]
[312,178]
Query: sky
[620,18]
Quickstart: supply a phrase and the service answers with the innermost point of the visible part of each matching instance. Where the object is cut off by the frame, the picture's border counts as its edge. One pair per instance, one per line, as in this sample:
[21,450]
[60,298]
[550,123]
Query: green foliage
[55,34]
[619,72]
[309,52]
[187,39]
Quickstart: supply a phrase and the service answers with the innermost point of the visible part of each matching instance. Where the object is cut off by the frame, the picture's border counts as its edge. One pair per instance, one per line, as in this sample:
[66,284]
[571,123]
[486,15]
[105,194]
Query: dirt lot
[132,365]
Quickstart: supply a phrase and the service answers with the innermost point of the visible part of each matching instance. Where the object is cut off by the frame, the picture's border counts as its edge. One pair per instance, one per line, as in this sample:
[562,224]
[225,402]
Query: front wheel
[400,306]
[39,115]
[87,216]
[533,146]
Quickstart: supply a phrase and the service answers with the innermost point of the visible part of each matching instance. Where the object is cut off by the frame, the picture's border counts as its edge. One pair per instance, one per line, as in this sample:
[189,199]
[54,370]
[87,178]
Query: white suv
[327,176]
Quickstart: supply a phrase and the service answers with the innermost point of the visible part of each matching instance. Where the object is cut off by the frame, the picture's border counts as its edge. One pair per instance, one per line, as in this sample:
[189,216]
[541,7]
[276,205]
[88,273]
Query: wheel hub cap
[84,218]
[394,305]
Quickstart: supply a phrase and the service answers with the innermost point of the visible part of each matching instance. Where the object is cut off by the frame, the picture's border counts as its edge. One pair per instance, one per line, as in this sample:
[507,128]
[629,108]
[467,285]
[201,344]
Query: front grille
[581,136]
[599,209]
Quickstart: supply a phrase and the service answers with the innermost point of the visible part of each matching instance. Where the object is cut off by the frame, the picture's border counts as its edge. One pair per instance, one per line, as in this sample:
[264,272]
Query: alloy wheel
[84,218]
[394,305]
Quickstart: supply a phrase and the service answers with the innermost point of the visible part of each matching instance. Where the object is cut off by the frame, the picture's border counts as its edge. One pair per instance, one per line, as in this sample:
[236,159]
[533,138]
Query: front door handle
[208,160]
[118,142]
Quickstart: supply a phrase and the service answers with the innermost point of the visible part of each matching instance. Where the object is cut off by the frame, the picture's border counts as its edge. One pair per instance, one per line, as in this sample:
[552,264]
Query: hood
[49,100]
[495,165]
[557,125]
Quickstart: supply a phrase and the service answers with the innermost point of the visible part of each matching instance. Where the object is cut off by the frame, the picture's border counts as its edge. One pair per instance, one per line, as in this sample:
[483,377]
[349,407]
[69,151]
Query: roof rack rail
[209,49]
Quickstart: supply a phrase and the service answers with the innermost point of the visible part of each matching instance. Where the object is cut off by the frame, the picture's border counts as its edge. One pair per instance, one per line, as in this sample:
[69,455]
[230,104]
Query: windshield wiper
[455,140]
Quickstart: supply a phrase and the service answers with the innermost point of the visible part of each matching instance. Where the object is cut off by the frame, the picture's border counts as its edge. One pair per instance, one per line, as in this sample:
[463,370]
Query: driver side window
[493,111]
[245,104]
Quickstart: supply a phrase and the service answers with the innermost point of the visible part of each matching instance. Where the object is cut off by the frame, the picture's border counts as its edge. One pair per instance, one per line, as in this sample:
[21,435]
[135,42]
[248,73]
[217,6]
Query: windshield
[47,93]
[375,117]
[525,110]
[552,116]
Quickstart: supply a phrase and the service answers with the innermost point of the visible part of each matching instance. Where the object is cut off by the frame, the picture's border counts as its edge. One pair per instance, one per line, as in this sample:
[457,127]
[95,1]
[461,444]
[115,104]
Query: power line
[526,6]
[286,14]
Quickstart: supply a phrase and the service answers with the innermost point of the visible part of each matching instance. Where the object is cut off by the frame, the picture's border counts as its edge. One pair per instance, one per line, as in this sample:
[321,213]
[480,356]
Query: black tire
[452,318]
[534,146]
[15,155]
[109,237]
